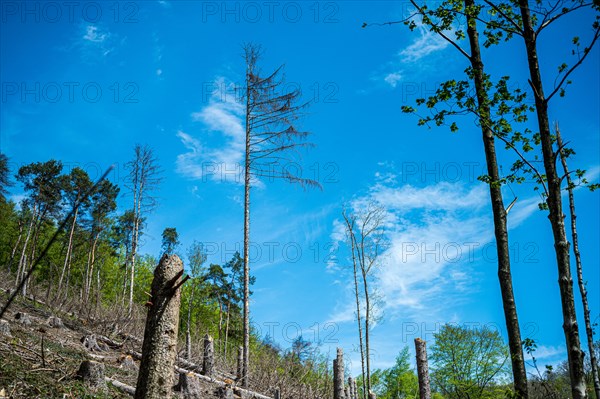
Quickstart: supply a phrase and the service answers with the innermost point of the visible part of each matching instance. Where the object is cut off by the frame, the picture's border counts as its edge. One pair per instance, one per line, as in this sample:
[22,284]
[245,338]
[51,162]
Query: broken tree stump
[338,375]
[159,349]
[208,361]
[422,369]
[92,374]
[189,386]
[55,322]
[23,318]
[4,328]
[91,343]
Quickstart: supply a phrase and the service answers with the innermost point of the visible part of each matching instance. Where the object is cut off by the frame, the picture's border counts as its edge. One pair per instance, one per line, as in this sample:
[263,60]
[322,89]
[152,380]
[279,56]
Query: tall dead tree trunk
[350,222]
[556,216]
[581,282]
[159,350]
[422,369]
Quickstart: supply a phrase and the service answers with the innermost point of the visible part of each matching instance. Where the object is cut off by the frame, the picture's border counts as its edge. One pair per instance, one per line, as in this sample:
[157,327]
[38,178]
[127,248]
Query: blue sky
[83,83]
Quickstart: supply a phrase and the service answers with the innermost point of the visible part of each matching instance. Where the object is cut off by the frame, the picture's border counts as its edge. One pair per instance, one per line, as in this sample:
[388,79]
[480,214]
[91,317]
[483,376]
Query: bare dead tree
[272,142]
[143,179]
[364,230]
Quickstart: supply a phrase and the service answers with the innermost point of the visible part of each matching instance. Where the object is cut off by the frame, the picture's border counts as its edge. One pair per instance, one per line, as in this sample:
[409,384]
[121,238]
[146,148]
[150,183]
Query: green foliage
[399,381]
[4,177]
[469,362]
[170,240]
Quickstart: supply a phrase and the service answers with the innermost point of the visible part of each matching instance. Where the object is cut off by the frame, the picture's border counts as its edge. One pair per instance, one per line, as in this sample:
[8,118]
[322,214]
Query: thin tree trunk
[556,216]
[188,336]
[91,262]
[67,263]
[246,328]
[367,316]
[226,330]
[499,213]
[360,335]
[14,250]
[22,265]
[582,290]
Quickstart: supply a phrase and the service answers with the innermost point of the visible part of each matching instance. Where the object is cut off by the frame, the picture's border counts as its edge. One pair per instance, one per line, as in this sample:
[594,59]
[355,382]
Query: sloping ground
[40,361]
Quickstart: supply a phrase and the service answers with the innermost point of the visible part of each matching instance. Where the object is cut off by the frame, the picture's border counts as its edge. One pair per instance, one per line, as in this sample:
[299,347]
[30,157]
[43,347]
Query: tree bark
[155,378]
[499,213]
[67,263]
[581,282]
[422,369]
[208,362]
[556,216]
[246,328]
[338,375]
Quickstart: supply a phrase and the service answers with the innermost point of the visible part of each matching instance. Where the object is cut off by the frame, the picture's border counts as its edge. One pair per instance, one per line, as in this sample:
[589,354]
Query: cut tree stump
[189,386]
[23,318]
[422,369]
[4,328]
[92,374]
[126,362]
[208,362]
[55,322]
[91,343]
[159,350]
[338,375]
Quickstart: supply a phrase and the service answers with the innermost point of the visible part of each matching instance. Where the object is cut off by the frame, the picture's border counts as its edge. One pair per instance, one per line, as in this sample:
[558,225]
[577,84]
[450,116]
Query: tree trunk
[499,214]
[351,235]
[246,328]
[582,290]
[367,316]
[14,250]
[22,266]
[556,216]
[67,263]
[159,349]
[208,362]
[188,335]
[90,272]
[422,369]
[338,375]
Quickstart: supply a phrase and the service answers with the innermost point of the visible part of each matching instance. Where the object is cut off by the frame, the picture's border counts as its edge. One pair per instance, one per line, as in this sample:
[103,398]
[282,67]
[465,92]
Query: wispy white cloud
[95,35]
[223,115]
[96,42]
[393,78]
[433,233]
[425,44]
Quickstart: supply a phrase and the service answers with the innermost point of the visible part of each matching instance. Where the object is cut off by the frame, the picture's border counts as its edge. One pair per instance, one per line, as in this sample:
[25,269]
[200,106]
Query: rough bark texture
[240,364]
[92,374]
[556,216]
[155,378]
[580,281]
[208,362]
[499,213]
[189,386]
[4,328]
[338,375]
[246,332]
[422,369]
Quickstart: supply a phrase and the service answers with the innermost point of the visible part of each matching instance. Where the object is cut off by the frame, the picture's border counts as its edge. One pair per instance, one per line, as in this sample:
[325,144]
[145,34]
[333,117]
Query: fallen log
[238,391]
[120,386]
